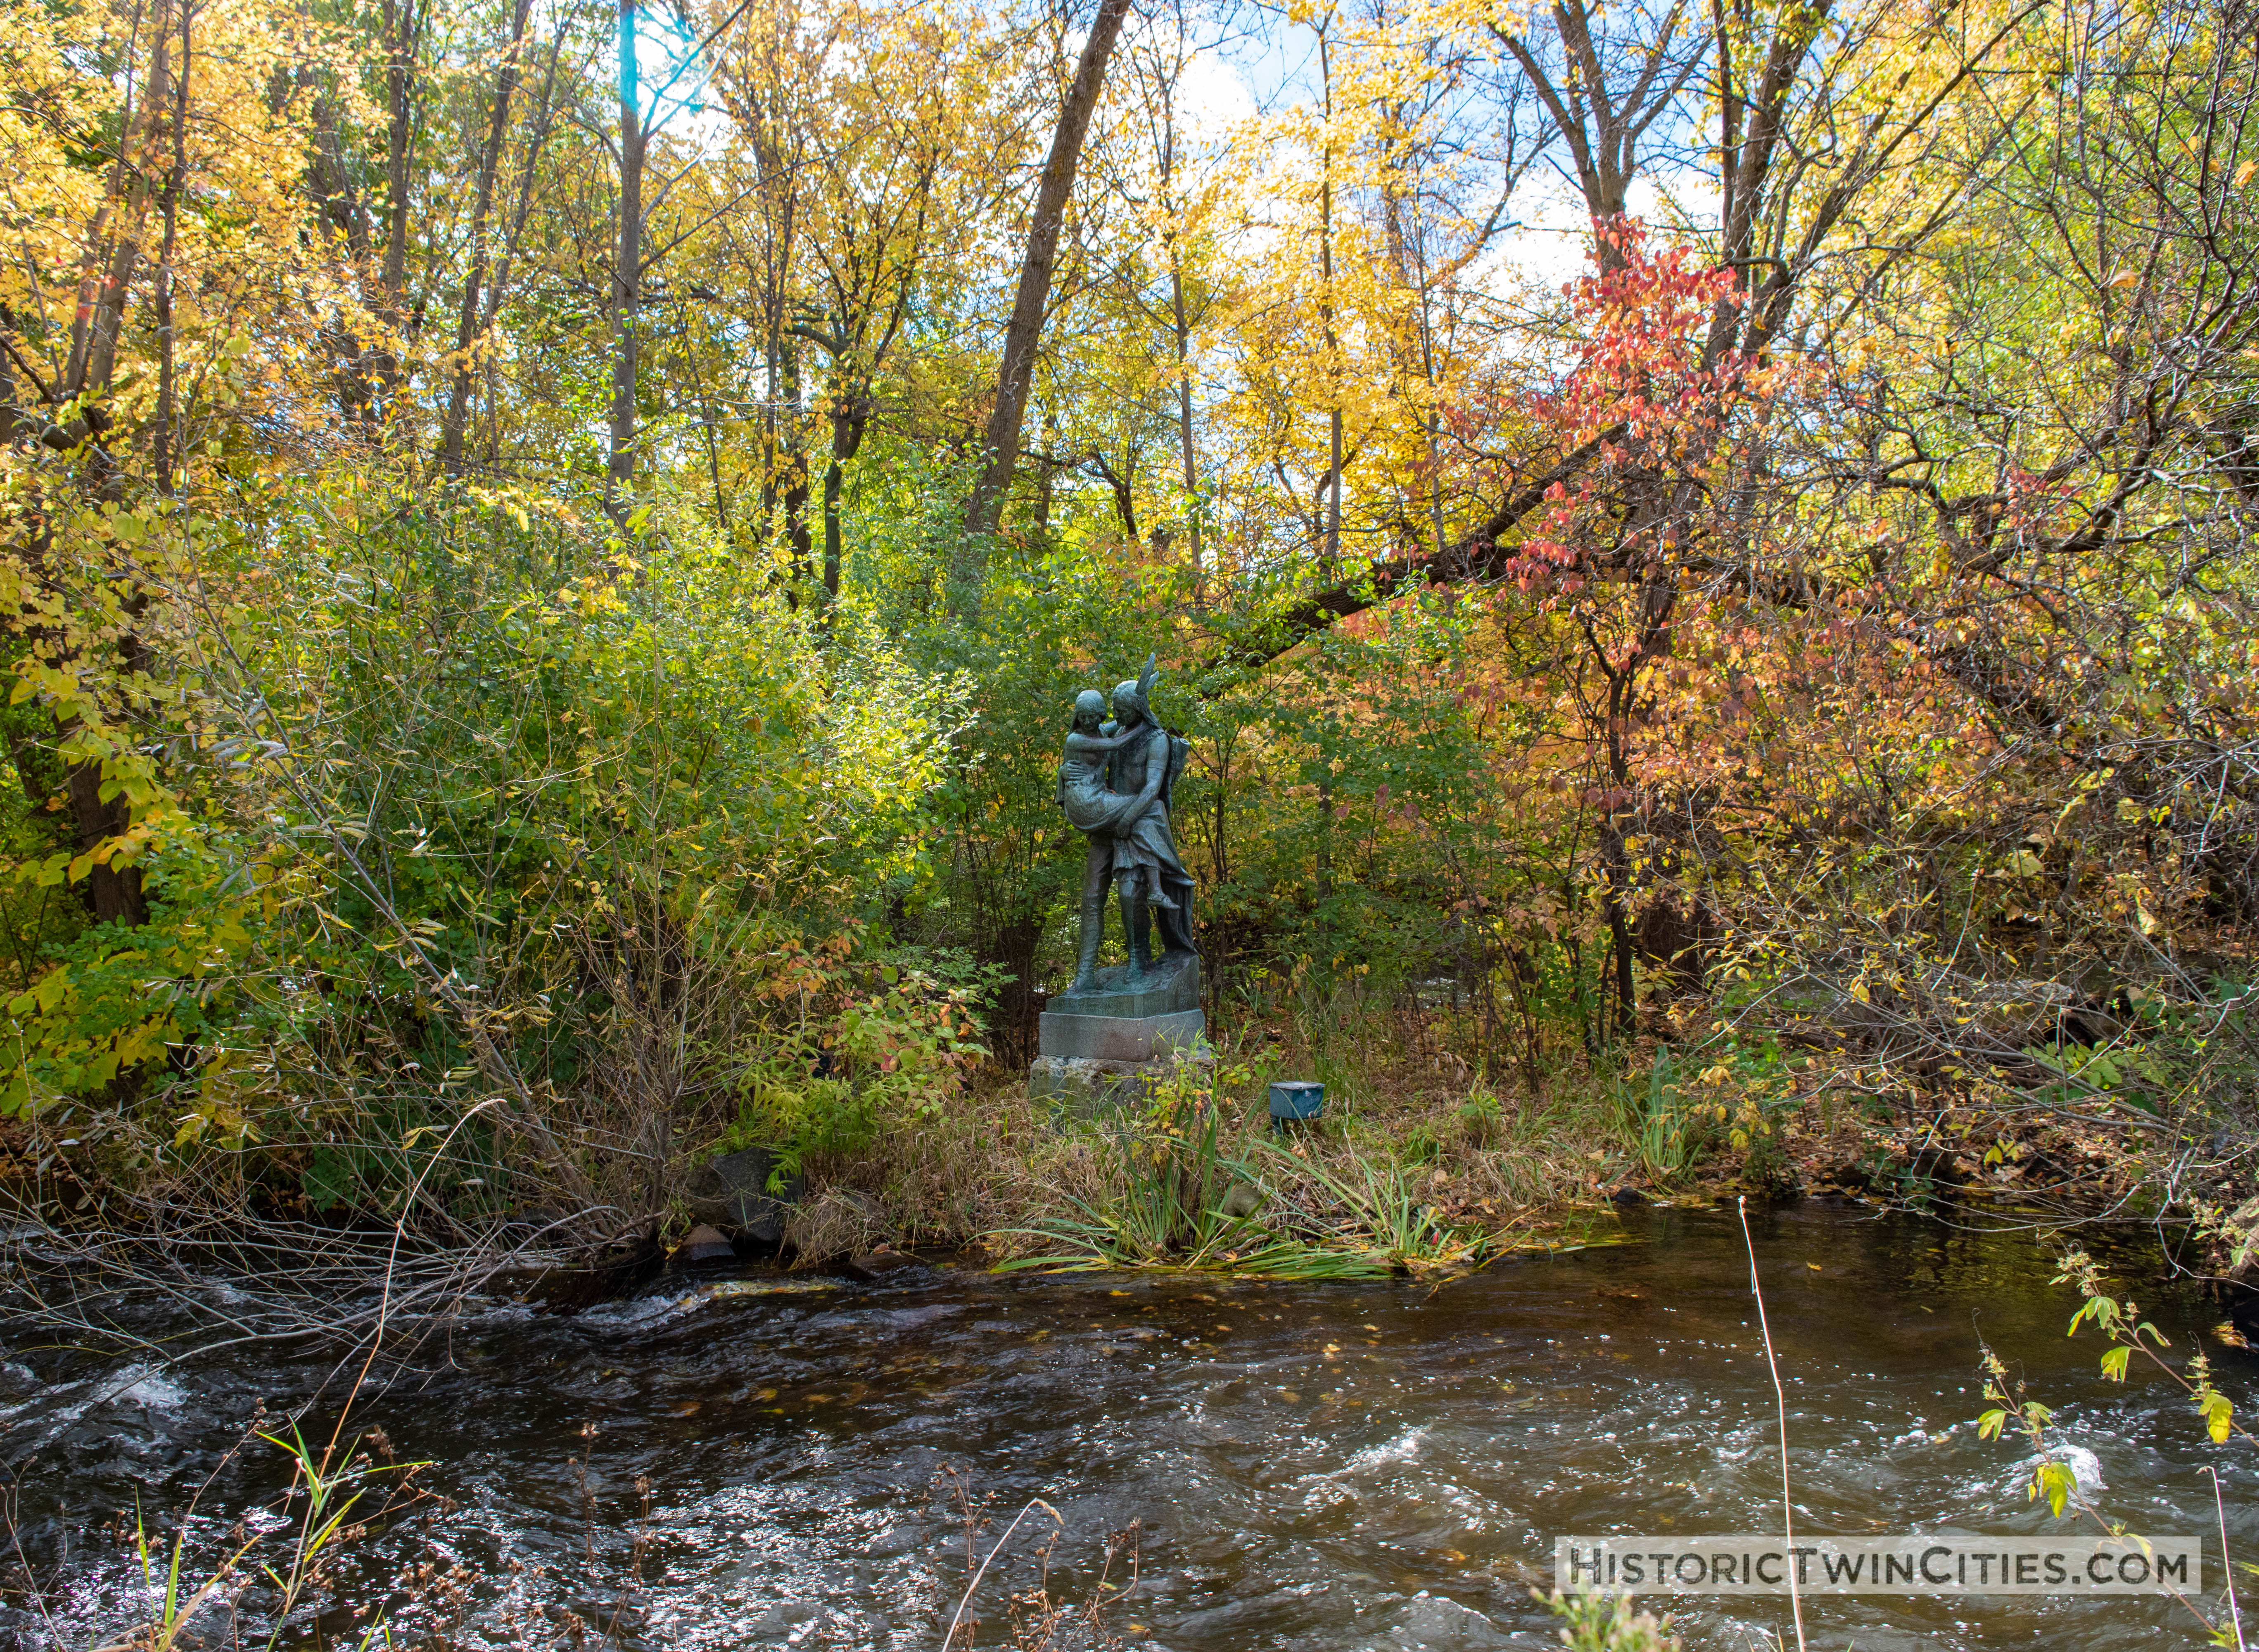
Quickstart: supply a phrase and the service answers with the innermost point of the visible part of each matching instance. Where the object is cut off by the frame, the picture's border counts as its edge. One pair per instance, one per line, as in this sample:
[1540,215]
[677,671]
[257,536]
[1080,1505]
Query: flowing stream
[1313,1466]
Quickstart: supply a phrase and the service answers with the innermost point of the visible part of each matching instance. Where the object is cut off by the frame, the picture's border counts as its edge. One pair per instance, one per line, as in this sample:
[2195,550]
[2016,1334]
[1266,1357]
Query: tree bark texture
[627,285]
[467,321]
[985,511]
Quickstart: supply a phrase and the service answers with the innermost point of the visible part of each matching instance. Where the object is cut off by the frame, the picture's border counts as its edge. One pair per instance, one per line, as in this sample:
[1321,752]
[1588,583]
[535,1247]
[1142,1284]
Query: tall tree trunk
[108,265]
[782,464]
[1047,476]
[795,472]
[984,511]
[1407,253]
[529,174]
[627,285]
[467,321]
[849,421]
[402,32]
[710,418]
[1617,818]
[115,892]
[1193,511]
[167,439]
[344,211]
[1180,326]
[345,215]
[1331,560]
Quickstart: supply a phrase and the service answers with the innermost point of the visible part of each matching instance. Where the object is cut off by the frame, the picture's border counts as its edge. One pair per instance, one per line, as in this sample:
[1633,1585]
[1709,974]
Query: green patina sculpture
[1115,782]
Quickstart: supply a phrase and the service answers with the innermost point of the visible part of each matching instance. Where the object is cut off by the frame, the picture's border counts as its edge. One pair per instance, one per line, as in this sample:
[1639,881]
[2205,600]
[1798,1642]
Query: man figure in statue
[1134,848]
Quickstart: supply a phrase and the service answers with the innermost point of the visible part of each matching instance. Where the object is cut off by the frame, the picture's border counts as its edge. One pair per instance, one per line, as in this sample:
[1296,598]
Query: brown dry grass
[990,1160]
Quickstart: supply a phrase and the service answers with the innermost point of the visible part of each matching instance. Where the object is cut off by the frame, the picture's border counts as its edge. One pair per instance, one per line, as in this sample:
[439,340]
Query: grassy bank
[1422,1156]
[873,1081]
[1422,1163]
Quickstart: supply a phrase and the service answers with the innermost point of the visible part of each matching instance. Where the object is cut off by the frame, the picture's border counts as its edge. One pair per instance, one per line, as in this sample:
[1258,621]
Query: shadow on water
[1337,1466]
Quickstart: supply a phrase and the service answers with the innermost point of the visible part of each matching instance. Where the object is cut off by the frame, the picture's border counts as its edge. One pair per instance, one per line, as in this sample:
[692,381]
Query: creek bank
[975,1177]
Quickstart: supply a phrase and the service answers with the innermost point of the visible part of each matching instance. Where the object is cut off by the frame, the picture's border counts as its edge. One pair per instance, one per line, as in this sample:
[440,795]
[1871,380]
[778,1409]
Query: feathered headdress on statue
[1143,688]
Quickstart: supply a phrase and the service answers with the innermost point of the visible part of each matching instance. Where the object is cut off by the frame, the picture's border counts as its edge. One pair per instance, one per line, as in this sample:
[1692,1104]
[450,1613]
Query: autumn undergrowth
[1424,1161]
[1419,1164]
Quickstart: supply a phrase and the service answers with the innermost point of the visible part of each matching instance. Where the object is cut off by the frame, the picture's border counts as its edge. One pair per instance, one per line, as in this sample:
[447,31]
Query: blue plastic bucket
[1298,1099]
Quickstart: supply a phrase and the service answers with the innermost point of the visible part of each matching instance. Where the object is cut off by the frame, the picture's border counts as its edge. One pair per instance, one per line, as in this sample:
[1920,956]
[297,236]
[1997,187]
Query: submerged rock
[882,1262]
[2085,1470]
[705,1244]
[620,1268]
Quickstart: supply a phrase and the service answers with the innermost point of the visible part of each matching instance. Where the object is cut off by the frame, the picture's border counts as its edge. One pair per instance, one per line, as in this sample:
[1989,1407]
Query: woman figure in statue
[1092,806]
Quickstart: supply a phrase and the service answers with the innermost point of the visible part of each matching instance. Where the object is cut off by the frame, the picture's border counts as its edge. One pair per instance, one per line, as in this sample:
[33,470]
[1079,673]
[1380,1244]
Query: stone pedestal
[1109,1046]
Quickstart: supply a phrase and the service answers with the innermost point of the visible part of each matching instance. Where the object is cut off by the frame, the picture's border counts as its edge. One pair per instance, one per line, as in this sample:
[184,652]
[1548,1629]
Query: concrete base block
[1084,1088]
[1109,1047]
[1171,986]
[1119,1038]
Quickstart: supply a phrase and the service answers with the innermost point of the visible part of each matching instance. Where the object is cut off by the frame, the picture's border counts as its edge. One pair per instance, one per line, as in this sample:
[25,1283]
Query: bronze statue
[1117,779]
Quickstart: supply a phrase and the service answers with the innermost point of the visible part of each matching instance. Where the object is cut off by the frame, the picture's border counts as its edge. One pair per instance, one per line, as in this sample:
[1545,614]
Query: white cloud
[1213,97]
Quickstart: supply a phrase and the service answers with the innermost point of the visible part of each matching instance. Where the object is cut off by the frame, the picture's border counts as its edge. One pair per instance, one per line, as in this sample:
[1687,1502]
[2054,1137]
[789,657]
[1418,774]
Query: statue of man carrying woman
[1115,782]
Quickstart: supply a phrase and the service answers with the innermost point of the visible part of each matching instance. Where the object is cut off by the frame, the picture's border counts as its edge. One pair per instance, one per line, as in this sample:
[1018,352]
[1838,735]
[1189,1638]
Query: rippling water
[1336,1466]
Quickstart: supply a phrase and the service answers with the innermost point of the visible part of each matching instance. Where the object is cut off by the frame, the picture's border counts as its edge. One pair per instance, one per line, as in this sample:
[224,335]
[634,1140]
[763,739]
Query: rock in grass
[705,1244]
[884,1262]
[1849,1174]
[1244,1200]
[732,1192]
